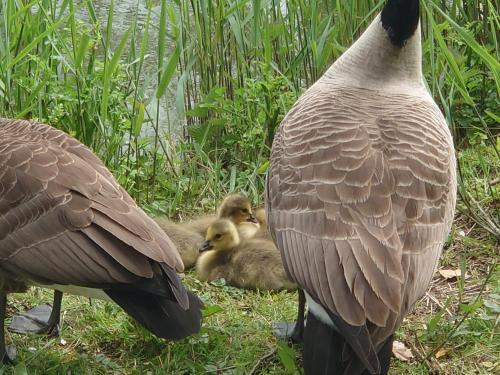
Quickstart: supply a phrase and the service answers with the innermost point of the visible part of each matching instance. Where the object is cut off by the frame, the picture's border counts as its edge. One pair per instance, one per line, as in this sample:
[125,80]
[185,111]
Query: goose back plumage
[64,219]
[361,189]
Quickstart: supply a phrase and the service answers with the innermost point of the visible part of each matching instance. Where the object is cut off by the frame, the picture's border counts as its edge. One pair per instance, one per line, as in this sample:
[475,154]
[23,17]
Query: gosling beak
[253,219]
[206,245]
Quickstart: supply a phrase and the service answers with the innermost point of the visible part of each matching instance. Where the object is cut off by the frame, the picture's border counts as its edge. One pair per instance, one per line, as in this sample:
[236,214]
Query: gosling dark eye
[245,210]
[218,236]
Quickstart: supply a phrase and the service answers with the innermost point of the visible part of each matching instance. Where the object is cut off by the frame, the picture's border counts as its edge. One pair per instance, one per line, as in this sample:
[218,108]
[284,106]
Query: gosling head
[222,235]
[236,208]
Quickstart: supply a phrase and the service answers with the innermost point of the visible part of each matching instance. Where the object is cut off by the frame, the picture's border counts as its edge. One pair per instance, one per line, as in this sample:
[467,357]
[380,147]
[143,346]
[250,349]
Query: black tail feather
[323,348]
[358,345]
[385,354]
[326,352]
[162,316]
[384,357]
[175,285]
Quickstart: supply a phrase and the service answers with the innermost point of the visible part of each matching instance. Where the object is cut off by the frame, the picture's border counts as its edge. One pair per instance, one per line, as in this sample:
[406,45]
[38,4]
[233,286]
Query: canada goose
[361,192]
[66,224]
[188,242]
[250,264]
[234,207]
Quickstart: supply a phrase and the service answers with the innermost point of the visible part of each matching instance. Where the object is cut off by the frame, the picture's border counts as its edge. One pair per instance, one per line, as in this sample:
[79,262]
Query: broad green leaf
[287,357]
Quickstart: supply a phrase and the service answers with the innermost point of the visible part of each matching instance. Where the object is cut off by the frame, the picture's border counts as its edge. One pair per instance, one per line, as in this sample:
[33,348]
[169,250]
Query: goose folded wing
[64,218]
[337,215]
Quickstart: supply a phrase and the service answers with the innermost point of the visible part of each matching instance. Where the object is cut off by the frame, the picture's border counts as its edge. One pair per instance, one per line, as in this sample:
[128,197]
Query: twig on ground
[435,300]
[420,353]
[261,360]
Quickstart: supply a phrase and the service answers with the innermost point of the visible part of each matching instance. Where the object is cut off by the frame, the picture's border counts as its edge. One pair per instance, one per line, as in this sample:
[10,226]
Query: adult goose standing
[361,193]
[66,224]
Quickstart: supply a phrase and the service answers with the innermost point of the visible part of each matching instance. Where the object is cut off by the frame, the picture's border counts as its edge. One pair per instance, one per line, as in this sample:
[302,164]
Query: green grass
[100,338]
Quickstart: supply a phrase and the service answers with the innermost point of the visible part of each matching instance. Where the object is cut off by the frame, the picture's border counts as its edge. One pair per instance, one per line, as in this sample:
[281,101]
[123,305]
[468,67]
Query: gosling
[262,231]
[234,207]
[187,241]
[247,263]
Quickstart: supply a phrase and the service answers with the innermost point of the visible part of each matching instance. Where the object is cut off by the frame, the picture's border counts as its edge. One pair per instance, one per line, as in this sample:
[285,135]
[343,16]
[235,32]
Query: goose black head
[400,20]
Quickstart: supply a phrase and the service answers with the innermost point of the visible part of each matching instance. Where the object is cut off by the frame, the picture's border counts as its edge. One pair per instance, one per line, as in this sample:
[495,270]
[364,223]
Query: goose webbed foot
[42,319]
[288,331]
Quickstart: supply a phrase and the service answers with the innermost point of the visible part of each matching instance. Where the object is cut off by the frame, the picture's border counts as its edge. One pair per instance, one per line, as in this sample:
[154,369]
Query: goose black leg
[4,356]
[292,331]
[40,319]
[51,328]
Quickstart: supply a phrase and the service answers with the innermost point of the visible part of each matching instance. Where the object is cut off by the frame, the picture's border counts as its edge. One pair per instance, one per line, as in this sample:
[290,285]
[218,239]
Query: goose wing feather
[65,219]
[359,182]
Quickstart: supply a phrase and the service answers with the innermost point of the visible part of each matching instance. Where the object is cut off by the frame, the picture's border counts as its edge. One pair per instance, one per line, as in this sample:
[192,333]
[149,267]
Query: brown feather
[369,172]
[64,219]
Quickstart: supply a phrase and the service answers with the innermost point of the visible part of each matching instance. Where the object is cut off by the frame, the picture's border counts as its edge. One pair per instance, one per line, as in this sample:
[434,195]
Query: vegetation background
[230,71]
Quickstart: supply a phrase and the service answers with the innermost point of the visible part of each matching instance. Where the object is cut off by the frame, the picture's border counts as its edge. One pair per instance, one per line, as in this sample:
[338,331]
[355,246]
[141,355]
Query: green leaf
[232,178]
[470,307]
[210,310]
[493,116]
[82,50]
[33,44]
[434,321]
[481,51]
[168,73]
[492,305]
[21,369]
[263,167]
[139,119]
[110,70]
[287,357]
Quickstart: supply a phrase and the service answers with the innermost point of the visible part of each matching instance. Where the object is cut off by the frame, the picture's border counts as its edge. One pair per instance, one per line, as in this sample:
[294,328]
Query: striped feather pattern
[361,187]
[64,219]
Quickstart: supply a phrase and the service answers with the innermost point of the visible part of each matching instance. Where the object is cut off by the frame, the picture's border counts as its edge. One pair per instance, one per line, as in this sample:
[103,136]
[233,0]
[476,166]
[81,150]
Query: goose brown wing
[64,218]
[358,182]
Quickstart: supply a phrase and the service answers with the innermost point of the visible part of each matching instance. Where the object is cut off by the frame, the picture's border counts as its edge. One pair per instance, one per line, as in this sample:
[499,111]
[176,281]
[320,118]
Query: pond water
[124,15]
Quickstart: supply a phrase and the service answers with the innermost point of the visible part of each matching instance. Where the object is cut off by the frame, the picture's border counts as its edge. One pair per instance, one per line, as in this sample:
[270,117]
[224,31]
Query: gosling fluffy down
[234,207]
[188,241]
[247,263]
[263,231]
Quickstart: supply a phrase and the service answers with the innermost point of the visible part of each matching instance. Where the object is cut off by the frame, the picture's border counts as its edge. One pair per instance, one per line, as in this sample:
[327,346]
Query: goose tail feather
[160,315]
[327,352]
